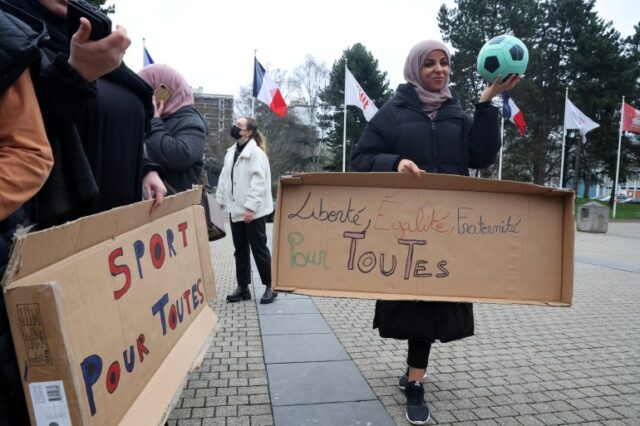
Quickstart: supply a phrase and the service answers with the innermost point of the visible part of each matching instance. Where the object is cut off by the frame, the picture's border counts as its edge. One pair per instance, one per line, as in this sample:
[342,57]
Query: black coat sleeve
[180,148]
[484,139]
[374,151]
[148,165]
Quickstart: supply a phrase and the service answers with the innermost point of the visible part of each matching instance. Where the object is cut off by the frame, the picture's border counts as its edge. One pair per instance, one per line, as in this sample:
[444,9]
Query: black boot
[240,293]
[268,296]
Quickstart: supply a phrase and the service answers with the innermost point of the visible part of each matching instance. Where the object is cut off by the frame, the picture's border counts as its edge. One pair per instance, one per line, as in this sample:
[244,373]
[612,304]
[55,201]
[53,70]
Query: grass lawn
[623,210]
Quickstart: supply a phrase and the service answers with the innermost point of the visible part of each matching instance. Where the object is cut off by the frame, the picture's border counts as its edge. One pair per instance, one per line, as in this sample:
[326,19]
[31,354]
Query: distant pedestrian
[424,128]
[178,132]
[244,190]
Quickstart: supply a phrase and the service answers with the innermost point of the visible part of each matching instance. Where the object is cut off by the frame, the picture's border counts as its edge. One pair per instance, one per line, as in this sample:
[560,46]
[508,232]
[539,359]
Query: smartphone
[162,93]
[100,24]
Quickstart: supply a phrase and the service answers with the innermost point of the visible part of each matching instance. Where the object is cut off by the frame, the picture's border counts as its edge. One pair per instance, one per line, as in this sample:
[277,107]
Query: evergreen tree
[473,23]
[632,51]
[569,47]
[365,69]
[467,27]
[601,75]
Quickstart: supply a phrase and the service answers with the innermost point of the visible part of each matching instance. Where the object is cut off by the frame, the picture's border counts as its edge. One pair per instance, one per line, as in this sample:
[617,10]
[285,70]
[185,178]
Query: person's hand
[158,107]
[408,166]
[248,216]
[93,59]
[154,188]
[498,87]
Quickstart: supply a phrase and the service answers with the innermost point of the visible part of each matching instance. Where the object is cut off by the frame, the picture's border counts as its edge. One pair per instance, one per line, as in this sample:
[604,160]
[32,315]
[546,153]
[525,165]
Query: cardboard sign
[109,313]
[449,238]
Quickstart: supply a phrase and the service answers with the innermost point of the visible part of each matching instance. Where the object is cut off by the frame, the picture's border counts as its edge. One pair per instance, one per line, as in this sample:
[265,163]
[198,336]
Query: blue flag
[146,58]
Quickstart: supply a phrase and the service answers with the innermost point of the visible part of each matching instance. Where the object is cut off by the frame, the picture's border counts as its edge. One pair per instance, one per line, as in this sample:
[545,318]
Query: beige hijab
[431,101]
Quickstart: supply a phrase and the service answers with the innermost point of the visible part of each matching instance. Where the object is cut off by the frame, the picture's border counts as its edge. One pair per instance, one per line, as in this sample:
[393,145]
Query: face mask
[235,132]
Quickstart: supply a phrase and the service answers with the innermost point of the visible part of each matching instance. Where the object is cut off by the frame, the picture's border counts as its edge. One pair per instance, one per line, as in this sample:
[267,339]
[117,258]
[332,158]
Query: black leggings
[418,356]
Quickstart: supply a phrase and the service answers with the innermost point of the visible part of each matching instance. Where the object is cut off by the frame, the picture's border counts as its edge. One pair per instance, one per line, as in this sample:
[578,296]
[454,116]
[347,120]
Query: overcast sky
[212,42]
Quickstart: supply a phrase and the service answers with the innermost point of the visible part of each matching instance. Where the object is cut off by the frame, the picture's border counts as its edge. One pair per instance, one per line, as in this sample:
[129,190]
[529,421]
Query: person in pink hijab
[178,132]
[423,128]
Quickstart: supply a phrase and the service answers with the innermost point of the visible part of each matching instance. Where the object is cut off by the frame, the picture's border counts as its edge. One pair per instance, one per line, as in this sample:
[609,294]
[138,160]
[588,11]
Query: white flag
[354,95]
[575,119]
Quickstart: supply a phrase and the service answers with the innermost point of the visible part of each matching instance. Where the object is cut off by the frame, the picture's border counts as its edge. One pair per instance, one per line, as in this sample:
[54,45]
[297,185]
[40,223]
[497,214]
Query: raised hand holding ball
[502,55]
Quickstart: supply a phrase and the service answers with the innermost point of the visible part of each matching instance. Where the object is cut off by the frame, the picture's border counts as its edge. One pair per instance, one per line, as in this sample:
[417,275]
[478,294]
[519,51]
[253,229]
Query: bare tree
[287,137]
[294,140]
[305,85]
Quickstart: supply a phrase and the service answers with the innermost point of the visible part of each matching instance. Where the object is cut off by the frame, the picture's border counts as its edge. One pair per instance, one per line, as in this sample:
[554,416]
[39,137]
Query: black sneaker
[417,411]
[404,379]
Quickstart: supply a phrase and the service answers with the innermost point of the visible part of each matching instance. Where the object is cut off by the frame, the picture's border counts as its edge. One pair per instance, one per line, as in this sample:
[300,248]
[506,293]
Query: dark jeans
[418,356]
[251,235]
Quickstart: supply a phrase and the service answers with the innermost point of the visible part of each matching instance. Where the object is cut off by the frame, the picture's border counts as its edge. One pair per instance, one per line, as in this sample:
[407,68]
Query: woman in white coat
[244,190]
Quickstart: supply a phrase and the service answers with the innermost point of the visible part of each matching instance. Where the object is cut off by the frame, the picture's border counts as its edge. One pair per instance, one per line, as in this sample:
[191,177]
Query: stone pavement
[526,365]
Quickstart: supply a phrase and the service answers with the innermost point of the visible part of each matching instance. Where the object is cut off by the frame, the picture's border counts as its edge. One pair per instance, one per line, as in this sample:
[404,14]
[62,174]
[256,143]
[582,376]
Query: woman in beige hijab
[424,128]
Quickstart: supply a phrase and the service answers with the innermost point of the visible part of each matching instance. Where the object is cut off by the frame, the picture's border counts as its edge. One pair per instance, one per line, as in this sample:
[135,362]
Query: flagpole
[615,189]
[253,99]
[501,148]
[344,127]
[564,132]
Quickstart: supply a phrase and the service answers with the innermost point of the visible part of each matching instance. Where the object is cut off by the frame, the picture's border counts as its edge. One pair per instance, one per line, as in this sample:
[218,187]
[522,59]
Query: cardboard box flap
[34,251]
[428,181]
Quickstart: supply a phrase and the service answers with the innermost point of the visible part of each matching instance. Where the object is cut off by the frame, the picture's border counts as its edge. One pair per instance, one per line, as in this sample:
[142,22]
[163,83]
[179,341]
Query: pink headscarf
[157,74]
[431,101]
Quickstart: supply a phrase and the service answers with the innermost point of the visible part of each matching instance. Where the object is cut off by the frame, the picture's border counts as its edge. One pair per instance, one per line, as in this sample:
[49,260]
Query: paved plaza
[317,361]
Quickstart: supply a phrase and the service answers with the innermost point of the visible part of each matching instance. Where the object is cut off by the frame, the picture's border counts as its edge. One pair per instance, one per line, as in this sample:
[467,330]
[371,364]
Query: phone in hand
[100,24]
[162,93]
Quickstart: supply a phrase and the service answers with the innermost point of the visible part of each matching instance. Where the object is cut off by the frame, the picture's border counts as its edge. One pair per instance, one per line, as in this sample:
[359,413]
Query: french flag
[265,90]
[513,113]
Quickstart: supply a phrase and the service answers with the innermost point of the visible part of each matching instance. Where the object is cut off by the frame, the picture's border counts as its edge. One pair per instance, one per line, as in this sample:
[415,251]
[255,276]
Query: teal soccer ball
[503,55]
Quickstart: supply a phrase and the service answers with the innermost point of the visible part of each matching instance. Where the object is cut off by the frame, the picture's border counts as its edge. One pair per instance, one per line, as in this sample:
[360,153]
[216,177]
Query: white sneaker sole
[415,422]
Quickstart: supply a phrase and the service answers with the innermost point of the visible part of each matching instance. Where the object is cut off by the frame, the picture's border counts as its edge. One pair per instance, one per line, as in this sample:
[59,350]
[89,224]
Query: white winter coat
[251,183]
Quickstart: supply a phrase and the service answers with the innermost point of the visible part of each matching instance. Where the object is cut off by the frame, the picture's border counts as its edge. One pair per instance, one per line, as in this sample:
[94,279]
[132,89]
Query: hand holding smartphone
[93,49]
[100,24]
[160,97]
[162,93]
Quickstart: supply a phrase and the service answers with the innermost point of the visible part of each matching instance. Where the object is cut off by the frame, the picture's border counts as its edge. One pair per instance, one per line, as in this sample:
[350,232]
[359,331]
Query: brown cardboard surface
[393,236]
[114,307]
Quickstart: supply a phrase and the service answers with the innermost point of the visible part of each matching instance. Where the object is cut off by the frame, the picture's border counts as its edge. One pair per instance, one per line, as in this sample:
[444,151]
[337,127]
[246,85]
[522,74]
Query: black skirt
[443,321]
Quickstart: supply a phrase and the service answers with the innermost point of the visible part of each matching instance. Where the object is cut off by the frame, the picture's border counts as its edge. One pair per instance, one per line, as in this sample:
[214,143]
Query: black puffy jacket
[451,143]
[176,143]
[18,48]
